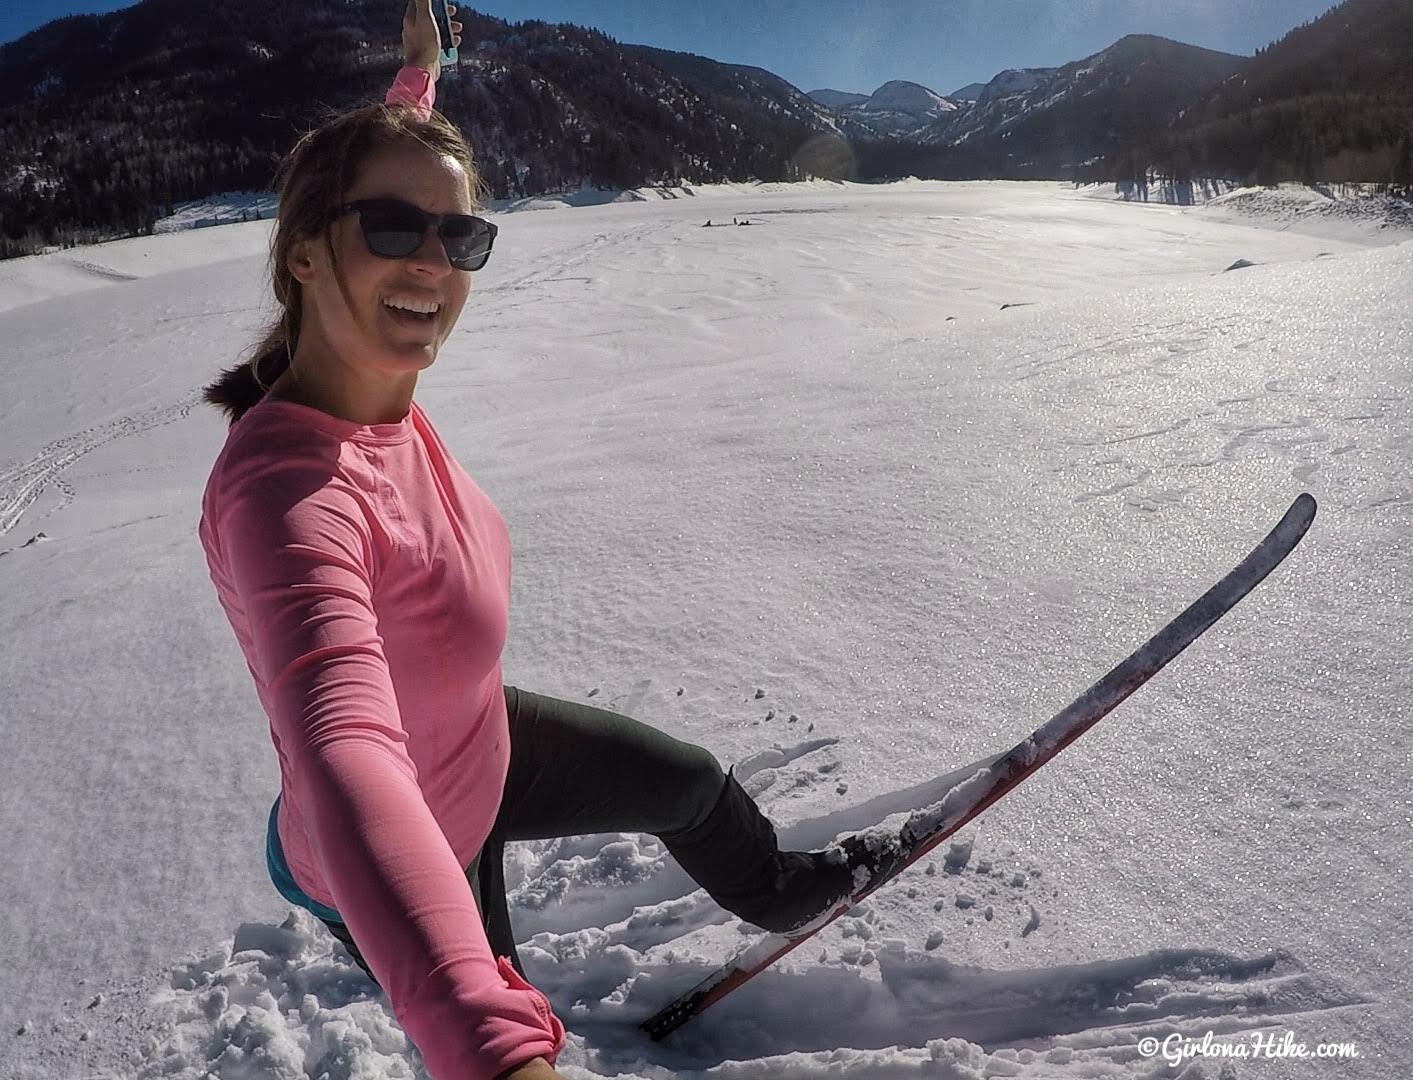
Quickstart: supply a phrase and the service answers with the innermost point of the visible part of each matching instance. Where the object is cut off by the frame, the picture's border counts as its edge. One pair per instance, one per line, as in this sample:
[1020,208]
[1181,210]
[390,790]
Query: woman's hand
[534,1069]
[421,43]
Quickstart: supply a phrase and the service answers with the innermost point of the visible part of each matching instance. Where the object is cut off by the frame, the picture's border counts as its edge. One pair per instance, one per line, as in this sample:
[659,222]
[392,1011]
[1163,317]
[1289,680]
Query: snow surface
[918,461]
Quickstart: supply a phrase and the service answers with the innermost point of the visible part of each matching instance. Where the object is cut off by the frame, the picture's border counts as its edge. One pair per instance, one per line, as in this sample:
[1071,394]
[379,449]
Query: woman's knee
[678,783]
[701,783]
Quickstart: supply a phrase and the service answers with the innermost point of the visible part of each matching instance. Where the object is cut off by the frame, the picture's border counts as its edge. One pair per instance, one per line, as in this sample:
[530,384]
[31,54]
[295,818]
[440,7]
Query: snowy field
[919,461]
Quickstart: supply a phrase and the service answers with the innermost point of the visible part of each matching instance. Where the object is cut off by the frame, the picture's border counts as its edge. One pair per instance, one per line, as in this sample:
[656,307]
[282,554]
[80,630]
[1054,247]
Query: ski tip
[1301,512]
[1291,529]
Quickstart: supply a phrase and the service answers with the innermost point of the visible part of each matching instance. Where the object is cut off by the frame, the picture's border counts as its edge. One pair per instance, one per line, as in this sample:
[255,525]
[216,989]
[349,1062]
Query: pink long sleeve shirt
[367,580]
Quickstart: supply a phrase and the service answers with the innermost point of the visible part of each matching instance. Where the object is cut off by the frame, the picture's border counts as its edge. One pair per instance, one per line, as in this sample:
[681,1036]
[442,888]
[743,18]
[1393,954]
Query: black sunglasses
[394,229]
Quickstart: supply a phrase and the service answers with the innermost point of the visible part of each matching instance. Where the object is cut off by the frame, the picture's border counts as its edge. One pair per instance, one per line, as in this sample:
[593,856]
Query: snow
[1339,211]
[908,98]
[921,461]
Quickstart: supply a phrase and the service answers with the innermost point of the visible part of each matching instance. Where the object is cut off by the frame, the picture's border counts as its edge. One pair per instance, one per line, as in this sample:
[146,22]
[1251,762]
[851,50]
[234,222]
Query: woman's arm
[421,43]
[413,86]
[415,83]
[297,546]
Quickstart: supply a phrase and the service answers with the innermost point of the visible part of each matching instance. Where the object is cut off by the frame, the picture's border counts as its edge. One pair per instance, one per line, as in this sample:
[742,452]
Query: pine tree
[1403,167]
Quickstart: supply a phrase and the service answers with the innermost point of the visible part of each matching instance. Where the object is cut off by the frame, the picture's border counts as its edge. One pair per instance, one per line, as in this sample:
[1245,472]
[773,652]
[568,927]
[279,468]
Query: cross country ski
[888,853]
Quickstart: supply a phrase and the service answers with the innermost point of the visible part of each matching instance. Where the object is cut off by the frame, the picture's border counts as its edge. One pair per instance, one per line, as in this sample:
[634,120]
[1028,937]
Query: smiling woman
[358,197]
[367,580]
[358,355]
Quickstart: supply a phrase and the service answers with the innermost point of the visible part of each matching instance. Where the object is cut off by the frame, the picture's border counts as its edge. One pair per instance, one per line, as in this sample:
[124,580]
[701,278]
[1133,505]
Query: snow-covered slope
[1014,81]
[910,99]
[895,108]
[917,461]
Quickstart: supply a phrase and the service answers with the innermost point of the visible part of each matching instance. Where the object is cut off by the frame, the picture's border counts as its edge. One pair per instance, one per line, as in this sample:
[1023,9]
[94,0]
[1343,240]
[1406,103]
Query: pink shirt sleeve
[413,86]
[302,547]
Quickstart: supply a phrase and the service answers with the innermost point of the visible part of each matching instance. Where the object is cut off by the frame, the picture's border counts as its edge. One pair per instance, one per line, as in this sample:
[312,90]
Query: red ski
[895,851]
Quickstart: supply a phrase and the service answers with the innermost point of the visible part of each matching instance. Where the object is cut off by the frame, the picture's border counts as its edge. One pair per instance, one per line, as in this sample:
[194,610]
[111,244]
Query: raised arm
[415,83]
[413,86]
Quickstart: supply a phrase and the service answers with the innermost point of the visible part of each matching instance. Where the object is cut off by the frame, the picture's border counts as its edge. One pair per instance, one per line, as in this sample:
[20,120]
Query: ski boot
[734,854]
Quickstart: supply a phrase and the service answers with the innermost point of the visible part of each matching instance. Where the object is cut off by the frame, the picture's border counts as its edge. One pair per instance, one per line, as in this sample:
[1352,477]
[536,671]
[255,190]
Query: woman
[367,580]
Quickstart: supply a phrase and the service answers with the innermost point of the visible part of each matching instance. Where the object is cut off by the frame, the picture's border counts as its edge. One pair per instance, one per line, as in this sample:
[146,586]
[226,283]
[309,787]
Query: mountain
[1045,121]
[837,99]
[970,92]
[1332,100]
[110,119]
[895,108]
[1014,81]
[749,93]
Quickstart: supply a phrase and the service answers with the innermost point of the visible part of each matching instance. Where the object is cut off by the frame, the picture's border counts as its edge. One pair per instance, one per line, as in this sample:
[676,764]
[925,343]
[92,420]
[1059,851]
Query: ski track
[1306,417]
[23,482]
[510,293]
[609,929]
[107,273]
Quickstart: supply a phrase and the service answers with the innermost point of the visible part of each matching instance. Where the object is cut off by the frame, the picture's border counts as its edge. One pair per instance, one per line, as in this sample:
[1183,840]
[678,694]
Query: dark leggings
[577,770]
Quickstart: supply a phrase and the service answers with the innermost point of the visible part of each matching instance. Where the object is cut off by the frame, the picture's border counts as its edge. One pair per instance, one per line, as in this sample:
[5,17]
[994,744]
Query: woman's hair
[310,182]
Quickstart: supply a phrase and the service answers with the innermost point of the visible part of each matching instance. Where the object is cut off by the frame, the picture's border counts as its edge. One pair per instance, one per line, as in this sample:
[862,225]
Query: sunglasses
[394,229]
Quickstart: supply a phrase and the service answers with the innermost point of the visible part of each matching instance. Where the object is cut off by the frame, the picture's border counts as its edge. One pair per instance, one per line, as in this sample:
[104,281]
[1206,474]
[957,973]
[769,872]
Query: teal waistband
[280,875]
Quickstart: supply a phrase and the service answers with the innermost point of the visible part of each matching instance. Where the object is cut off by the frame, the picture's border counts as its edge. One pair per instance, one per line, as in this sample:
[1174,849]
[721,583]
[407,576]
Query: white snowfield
[919,461]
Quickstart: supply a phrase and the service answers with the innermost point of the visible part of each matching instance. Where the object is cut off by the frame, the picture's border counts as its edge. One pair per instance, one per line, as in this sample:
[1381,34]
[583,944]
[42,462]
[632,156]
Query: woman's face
[362,331]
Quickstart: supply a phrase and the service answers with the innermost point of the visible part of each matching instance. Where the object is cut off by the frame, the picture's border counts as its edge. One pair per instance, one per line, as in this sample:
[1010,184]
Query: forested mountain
[108,120]
[1330,101]
[1050,121]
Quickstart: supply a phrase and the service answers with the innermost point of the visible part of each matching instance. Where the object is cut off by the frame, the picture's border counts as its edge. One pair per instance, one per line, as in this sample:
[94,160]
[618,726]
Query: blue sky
[857,45]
